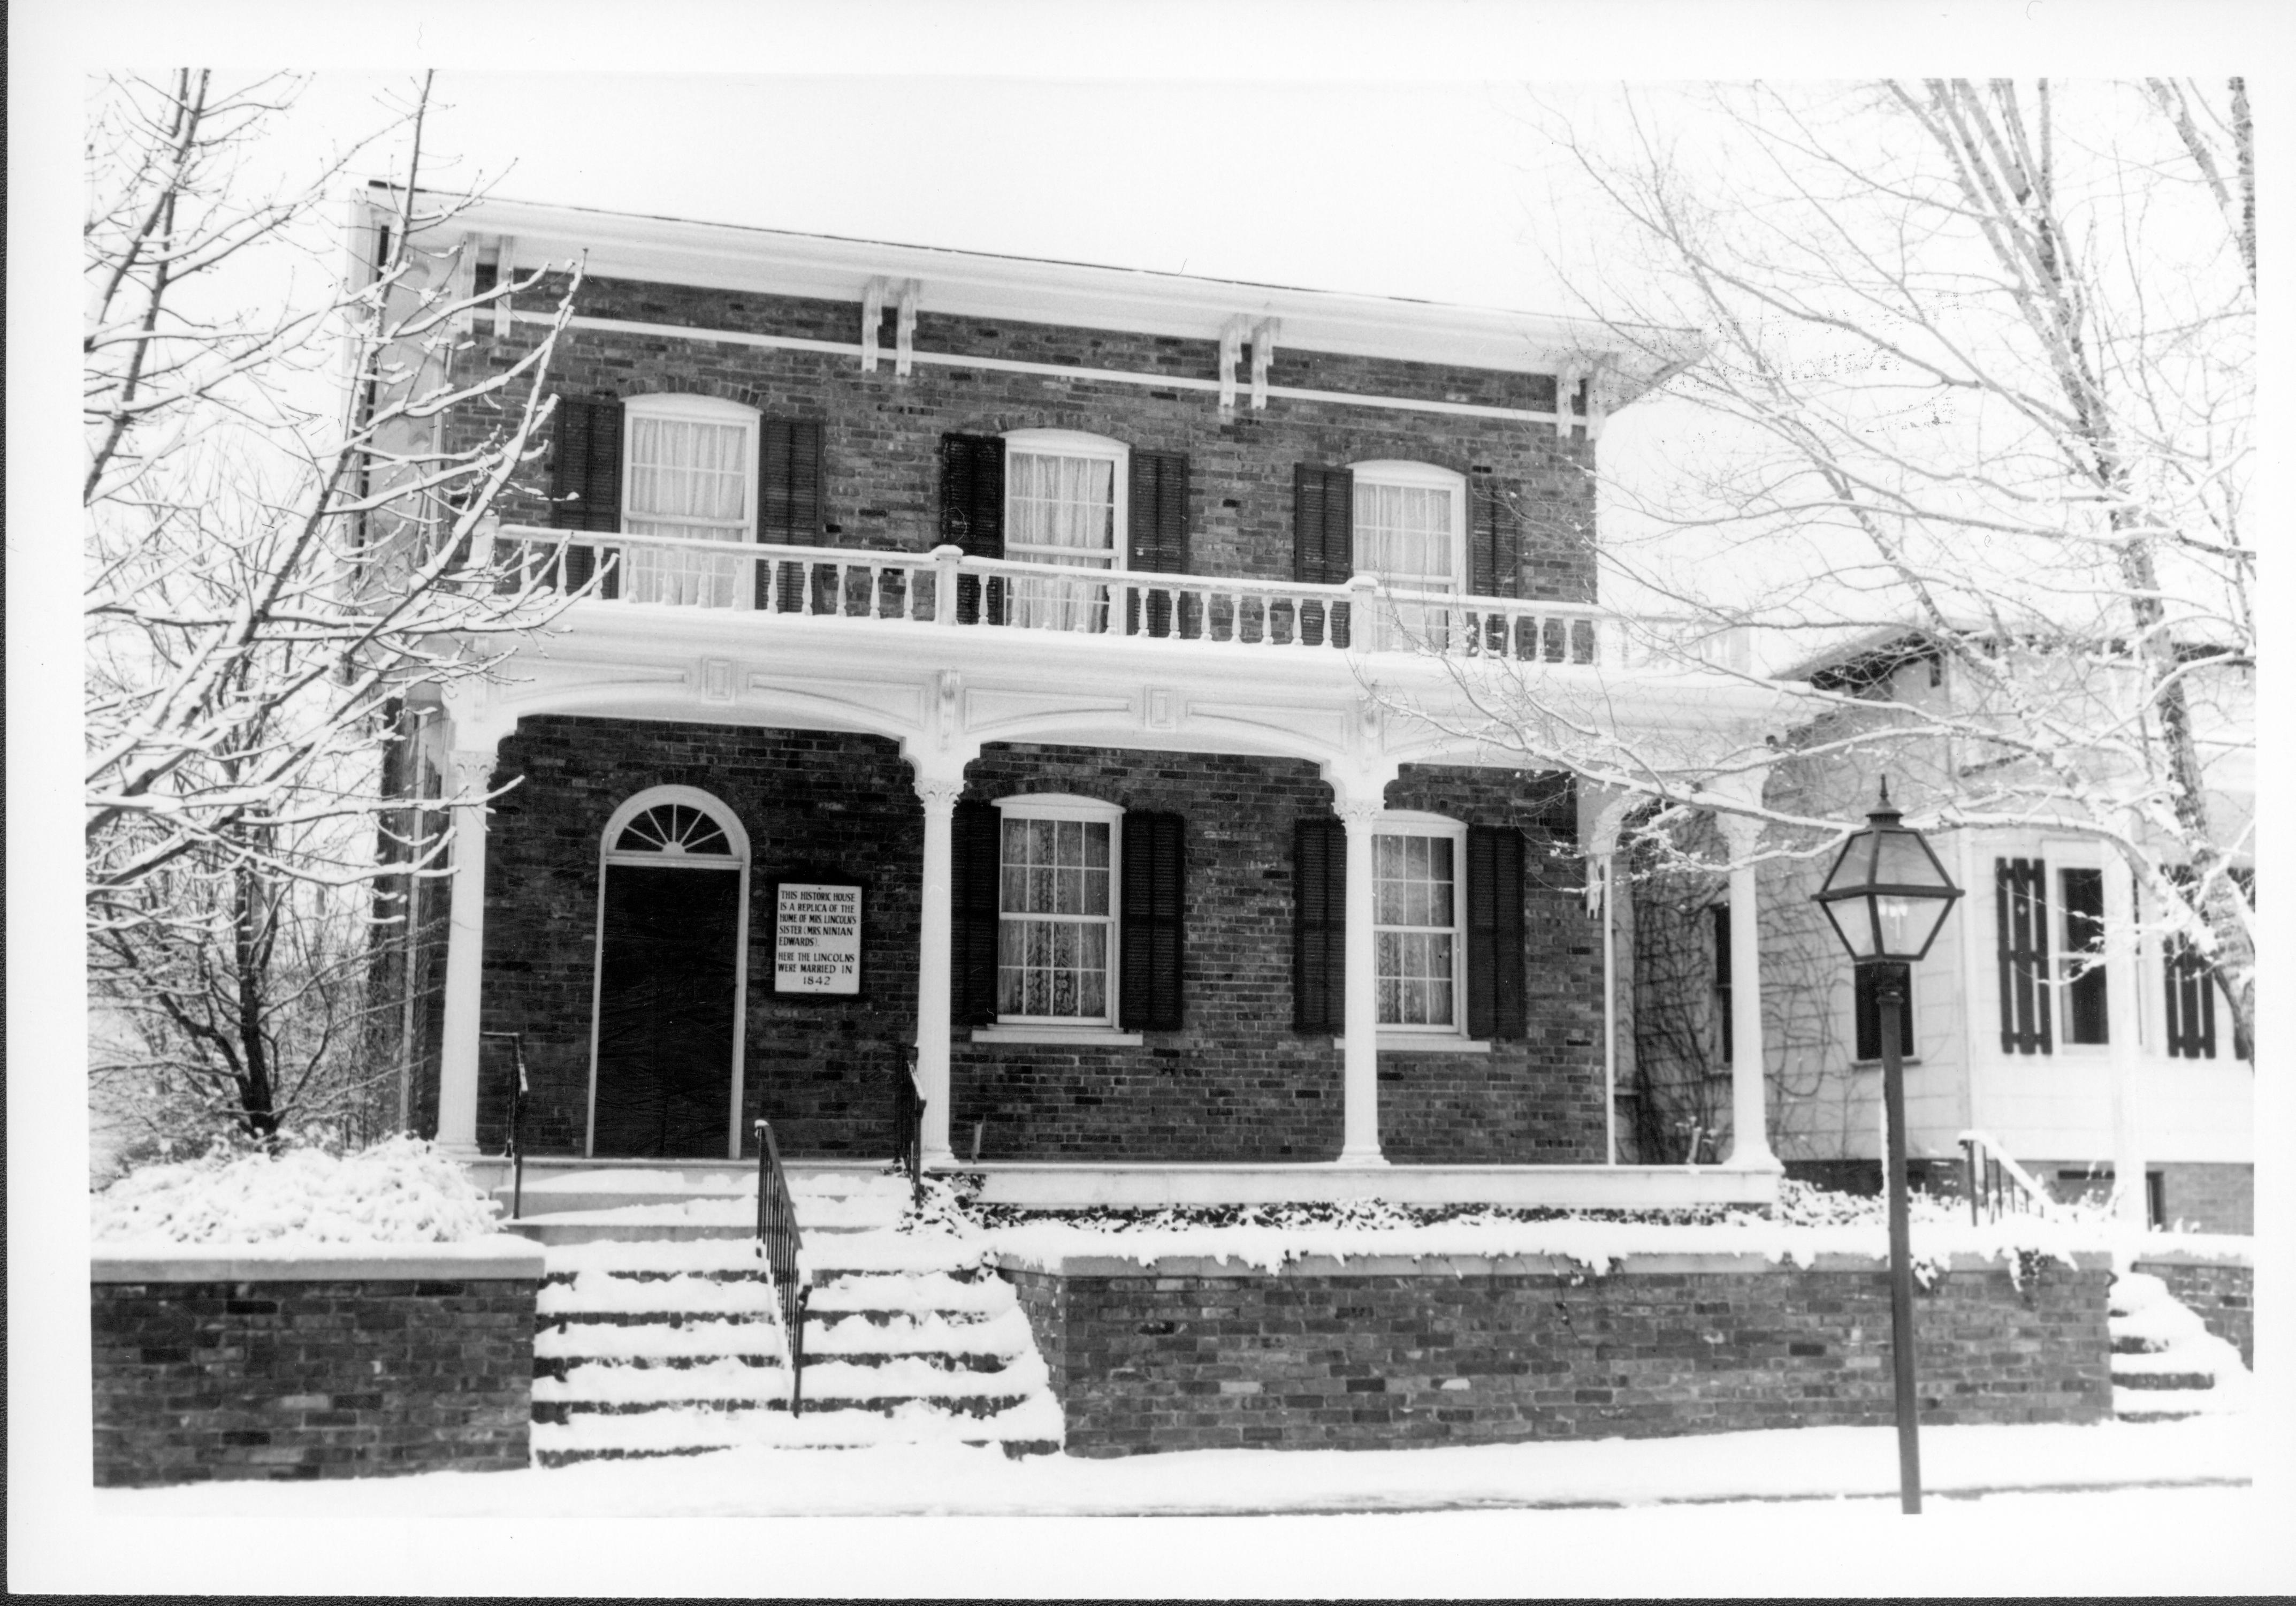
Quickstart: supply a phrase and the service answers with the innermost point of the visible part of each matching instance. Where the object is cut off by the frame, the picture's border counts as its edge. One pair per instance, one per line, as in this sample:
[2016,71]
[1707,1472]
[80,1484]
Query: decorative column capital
[474,768]
[1359,818]
[939,793]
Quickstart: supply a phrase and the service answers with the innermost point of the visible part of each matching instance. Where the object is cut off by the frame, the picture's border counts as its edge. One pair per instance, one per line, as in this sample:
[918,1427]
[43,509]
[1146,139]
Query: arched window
[670,993]
[1411,530]
[690,472]
[1064,503]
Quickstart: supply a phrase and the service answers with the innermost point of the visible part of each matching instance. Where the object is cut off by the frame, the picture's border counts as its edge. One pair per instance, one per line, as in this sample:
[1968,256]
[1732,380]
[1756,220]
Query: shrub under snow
[400,1190]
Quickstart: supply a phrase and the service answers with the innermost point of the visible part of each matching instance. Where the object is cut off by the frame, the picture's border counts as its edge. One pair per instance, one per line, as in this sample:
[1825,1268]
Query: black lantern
[1887,895]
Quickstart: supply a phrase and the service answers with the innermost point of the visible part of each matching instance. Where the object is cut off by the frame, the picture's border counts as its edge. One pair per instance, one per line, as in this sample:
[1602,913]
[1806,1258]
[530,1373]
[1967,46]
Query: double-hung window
[1057,896]
[1063,504]
[2080,953]
[1416,906]
[1411,530]
[689,473]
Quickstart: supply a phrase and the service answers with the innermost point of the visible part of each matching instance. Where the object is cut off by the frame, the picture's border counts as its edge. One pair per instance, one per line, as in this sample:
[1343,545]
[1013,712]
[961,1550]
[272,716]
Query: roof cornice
[981,284]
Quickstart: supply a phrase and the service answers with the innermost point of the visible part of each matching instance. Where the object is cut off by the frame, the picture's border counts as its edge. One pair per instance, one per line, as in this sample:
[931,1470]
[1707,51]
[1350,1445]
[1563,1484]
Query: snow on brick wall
[2221,1294]
[1160,1362]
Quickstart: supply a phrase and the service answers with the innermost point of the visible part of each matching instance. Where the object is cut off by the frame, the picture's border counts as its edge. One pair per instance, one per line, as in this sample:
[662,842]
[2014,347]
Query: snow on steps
[675,1347]
[2165,1361]
[720,1201]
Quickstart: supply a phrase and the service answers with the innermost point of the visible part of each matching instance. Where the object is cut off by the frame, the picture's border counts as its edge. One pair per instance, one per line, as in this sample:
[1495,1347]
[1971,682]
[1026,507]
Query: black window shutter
[2021,909]
[1323,525]
[2191,1017]
[1495,1005]
[972,514]
[1159,537]
[585,477]
[1153,940]
[1725,1025]
[1319,920]
[1494,544]
[789,498]
[1869,1018]
[977,860]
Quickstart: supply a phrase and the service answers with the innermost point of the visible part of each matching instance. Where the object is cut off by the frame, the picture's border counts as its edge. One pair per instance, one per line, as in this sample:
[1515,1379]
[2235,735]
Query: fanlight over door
[673,903]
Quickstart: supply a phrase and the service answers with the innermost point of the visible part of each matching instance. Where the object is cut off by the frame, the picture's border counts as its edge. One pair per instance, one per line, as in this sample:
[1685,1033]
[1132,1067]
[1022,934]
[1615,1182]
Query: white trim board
[999,364]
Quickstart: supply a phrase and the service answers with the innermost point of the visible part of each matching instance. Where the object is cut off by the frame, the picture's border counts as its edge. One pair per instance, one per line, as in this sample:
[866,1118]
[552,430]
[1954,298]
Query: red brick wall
[2209,1197]
[881,435]
[1383,1360]
[1237,1083]
[210,1381]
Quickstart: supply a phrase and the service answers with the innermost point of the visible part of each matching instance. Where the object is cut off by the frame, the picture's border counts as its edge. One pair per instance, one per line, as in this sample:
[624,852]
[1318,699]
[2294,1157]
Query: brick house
[1065,678]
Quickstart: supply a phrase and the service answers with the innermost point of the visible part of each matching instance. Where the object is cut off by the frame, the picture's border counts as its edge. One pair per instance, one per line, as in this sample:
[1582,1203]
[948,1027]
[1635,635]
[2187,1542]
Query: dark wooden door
[666,999]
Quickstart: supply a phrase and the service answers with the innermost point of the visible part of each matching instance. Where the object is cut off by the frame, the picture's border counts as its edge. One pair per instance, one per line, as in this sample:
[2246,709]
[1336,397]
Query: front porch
[846,748]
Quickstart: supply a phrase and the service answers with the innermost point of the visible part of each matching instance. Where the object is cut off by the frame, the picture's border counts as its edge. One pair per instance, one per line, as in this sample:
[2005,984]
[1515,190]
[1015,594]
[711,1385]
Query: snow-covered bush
[400,1190]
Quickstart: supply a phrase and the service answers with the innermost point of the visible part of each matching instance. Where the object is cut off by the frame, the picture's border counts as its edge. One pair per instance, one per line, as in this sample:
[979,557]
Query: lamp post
[1887,897]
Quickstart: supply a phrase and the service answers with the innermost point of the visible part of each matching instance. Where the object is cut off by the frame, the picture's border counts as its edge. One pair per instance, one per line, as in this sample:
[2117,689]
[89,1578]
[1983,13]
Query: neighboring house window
[1416,912]
[1057,875]
[689,471]
[2191,1013]
[1410,529]
[1062,507]
[2080,902]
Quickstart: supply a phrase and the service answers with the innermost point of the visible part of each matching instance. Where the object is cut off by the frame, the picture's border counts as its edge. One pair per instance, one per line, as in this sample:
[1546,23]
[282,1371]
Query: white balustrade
[943,586]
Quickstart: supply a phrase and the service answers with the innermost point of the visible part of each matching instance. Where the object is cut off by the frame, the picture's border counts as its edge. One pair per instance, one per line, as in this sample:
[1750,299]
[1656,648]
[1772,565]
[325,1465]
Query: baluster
[807,577]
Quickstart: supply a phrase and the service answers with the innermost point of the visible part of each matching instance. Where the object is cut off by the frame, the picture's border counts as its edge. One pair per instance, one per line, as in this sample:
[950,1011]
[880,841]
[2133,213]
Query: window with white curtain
[1064,503]
[1410,530]
[690,471]
[1056,910]
[1417,946]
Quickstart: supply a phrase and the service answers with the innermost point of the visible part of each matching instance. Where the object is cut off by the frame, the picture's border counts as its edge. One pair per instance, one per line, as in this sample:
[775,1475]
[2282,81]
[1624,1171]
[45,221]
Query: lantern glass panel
[1899,860]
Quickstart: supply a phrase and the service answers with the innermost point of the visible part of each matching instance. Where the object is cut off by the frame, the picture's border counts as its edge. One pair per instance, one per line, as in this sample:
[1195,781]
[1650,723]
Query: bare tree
[279,544]
[1978,384]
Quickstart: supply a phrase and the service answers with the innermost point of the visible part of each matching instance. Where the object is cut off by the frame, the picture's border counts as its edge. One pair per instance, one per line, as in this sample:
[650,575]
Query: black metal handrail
[779,1244]
[1997,1186]
[517,1041]
[909,1124]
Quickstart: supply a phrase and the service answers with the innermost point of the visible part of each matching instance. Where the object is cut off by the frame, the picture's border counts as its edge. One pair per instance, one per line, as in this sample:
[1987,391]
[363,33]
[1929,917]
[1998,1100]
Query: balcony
[902,591]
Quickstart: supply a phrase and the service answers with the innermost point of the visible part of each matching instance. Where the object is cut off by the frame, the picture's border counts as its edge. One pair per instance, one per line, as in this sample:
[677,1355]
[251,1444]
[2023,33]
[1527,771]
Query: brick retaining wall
[1387,1352]
[2221,1292]
[210,1368]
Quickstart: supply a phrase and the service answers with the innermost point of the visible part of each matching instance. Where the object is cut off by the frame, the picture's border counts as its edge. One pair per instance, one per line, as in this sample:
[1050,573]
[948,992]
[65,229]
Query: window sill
[1876,1064]
[1084,1036]
[1425,1043]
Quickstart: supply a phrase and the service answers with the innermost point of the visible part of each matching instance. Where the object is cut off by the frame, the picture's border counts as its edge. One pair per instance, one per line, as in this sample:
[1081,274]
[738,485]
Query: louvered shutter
[1319,917]
[585,478]
[789,497]
[1495,1005]
[1153,940]
[2020,907]
[2191,1017]
[1495,543]
[1868,1006]
[1159,525]
[1323,543]
[977,856]
[1723,969]
[972,515]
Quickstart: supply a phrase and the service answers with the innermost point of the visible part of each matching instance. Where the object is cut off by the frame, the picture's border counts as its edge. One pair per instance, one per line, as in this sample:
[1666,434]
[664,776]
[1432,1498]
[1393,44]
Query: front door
[669,958]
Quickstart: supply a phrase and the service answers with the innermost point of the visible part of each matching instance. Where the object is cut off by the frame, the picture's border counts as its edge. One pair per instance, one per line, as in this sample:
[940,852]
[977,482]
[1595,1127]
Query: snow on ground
[400,1190]
[1801,1463]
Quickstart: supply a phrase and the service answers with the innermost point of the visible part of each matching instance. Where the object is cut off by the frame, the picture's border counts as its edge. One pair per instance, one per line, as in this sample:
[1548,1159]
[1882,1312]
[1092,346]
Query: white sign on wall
[818,938]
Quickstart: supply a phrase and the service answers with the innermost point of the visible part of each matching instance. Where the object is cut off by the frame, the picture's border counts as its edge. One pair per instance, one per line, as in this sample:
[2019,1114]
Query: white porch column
[473,764]
[2123,975]
[1360,1140]
[1750,1132]
[938,794]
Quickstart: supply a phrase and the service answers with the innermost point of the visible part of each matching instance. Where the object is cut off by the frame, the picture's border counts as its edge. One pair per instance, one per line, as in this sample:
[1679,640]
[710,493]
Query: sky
[1357,146]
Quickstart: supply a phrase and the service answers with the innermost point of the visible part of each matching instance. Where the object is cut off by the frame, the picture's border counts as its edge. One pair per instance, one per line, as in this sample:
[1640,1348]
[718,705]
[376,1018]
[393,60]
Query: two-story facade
[1065,676]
